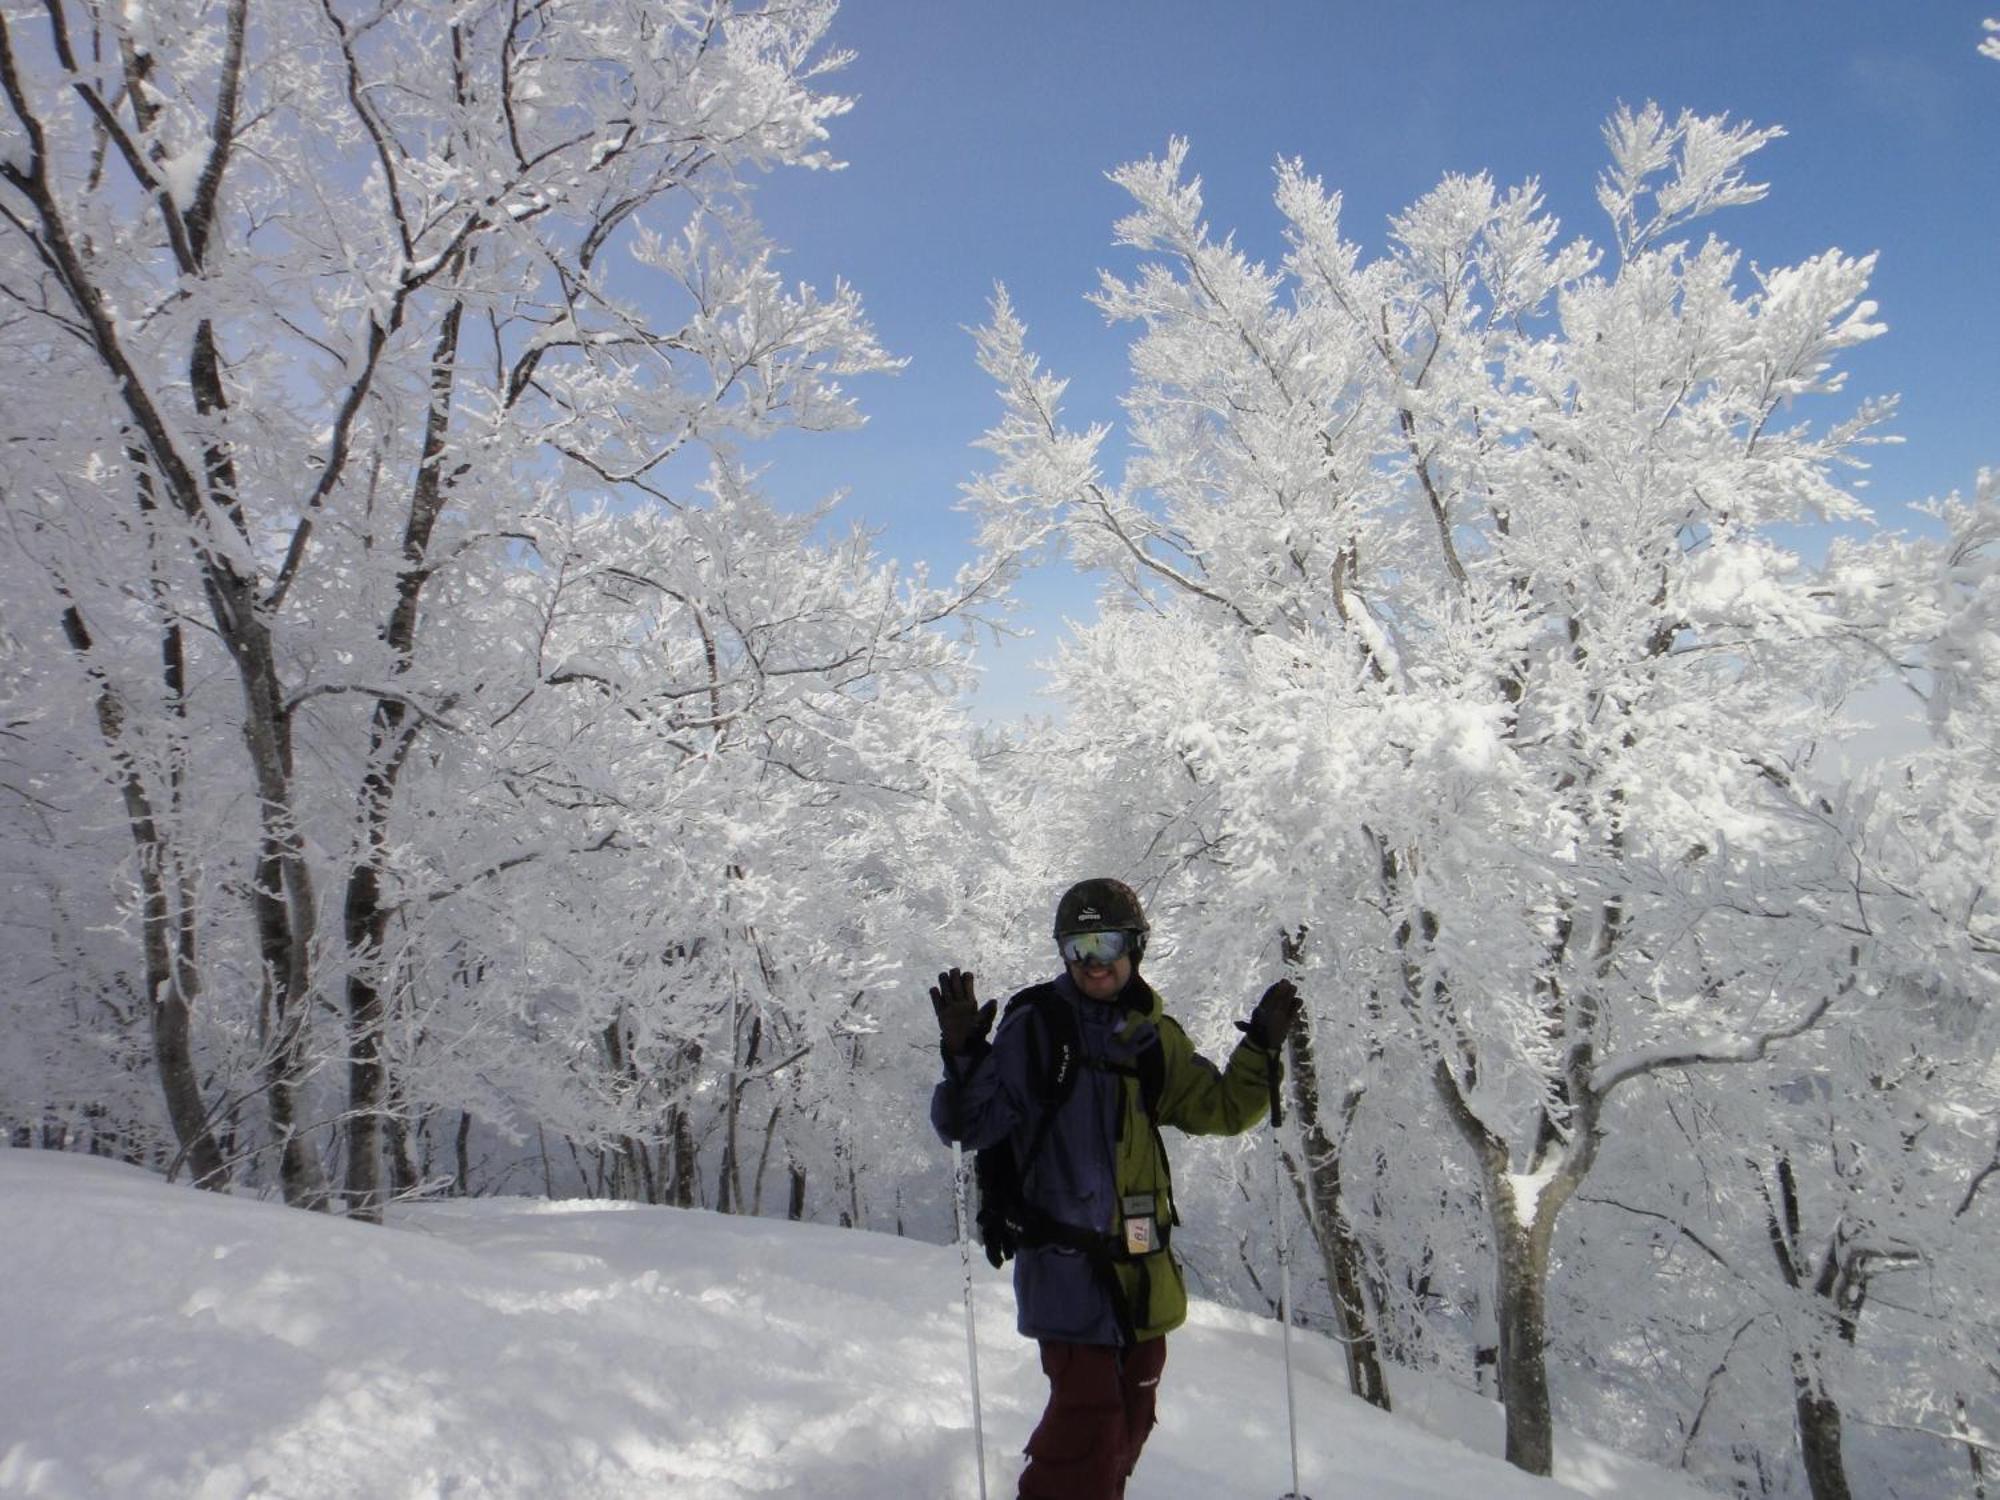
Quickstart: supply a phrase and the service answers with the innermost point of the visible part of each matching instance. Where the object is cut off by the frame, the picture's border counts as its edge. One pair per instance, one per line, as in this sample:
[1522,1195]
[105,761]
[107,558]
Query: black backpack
[1055,1057]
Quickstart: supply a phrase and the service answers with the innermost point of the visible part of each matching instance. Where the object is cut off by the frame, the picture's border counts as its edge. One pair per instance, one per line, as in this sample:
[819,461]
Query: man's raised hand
[1273,1017]
[961,1019]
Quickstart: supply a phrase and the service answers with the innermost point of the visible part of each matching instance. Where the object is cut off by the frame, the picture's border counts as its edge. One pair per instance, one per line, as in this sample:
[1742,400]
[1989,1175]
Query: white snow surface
[156,1341]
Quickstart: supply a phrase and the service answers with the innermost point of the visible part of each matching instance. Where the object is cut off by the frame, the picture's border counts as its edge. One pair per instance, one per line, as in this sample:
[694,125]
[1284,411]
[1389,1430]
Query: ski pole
[971,1331]
[1284,1280]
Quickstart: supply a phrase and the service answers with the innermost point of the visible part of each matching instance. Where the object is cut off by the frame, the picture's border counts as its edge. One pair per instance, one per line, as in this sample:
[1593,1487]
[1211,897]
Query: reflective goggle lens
[1104,947]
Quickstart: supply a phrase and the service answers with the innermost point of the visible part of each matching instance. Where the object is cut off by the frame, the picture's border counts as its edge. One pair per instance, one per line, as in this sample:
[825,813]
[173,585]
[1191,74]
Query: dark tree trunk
[405,1175]
[648,1169]
[362,922]
[686,1191]
[173,1055]
[166,935]
[1819,1420]
[742,1059]
[633,1177]
[1339,1250]
[684,1181]
[391,734]
[1819,1436]
[1521,1248]
[1521,1295]
[764,1160]
[1962,1425]
[283,1009]
[284,907]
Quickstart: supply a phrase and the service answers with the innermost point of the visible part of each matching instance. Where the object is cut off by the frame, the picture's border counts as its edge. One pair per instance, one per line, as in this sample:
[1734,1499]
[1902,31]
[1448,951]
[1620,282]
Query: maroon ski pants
[1099,1413]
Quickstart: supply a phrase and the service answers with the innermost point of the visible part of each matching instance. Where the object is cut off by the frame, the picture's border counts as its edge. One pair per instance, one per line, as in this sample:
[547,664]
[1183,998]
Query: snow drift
[157,1342]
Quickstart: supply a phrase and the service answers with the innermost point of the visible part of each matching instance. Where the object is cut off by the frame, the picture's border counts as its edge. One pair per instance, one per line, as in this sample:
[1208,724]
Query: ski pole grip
[1277,1100]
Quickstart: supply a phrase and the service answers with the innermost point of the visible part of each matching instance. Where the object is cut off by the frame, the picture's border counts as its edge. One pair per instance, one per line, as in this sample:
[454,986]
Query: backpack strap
[1055,1054]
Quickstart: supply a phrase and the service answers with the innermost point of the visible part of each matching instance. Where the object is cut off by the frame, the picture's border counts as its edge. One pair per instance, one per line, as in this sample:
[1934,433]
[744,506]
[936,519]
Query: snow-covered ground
[156,1342]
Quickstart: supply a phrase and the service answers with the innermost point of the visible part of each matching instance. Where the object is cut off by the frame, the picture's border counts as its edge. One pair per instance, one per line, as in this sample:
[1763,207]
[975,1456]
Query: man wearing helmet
[1095,1280]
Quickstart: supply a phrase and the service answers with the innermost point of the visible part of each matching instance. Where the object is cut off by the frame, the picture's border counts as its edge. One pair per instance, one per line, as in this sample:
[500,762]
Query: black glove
[1000,1239]
[1273,1017]
[962,1020]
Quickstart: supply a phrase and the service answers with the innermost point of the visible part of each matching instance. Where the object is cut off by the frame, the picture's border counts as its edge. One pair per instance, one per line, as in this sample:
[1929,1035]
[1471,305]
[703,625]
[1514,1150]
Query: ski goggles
[1104,947]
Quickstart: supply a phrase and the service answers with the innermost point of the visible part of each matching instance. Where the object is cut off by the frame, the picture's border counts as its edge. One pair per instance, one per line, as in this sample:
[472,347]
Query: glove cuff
[1253,1034]
[961,1065]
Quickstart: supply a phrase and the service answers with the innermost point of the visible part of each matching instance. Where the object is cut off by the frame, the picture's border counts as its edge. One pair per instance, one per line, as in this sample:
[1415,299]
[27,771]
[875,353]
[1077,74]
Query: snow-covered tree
[366,340]
[729,759]
[1451,586]
[1880,1142]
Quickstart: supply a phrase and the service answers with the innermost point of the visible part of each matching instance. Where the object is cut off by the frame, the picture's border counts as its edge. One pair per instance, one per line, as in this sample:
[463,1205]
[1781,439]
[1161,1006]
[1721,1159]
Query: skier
[1077,1081]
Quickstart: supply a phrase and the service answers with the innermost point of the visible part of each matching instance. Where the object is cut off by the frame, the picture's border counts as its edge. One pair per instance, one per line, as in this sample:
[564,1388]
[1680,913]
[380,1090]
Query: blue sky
[982,132]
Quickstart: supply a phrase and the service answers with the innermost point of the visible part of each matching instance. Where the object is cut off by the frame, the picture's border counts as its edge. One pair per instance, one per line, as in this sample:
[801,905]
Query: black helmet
[1100,905]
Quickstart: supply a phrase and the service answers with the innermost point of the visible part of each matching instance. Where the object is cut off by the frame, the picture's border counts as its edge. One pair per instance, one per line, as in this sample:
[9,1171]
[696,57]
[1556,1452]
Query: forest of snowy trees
[431,765]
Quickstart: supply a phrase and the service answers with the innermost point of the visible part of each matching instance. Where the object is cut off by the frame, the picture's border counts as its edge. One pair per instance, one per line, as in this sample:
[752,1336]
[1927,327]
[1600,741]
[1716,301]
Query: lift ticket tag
[1142,1235]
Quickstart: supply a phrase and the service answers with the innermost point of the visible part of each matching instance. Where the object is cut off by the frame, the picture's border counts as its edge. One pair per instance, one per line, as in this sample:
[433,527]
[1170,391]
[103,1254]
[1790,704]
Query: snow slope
[157,1342]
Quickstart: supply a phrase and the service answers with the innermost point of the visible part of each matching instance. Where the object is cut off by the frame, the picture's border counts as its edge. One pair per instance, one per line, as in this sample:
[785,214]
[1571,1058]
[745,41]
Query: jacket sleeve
[984,1095]
[1203,1100]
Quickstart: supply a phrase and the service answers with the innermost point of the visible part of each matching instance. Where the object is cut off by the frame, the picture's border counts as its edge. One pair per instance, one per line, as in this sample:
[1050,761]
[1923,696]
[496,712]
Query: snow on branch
[326,689]
[1645,1060]
[1705,154]
[500,867]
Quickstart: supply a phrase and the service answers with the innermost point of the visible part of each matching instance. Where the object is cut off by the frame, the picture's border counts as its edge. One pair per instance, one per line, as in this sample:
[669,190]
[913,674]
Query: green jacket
[1196,1098]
